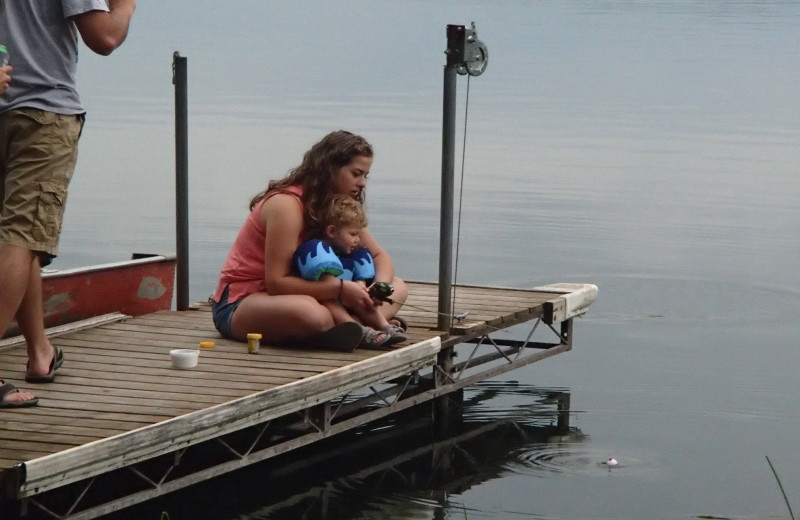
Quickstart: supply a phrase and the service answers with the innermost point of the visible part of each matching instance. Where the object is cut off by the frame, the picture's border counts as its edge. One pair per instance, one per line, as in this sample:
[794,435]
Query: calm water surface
[651,148]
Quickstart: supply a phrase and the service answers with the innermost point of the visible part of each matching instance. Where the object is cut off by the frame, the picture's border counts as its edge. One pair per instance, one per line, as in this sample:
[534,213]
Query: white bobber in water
[612,461]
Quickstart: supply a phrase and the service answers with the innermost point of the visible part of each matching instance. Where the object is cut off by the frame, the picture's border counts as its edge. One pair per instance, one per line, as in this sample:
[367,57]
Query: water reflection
[401,469]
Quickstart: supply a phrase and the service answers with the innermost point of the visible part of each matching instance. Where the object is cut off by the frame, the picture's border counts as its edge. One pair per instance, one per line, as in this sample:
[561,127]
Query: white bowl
[184,357]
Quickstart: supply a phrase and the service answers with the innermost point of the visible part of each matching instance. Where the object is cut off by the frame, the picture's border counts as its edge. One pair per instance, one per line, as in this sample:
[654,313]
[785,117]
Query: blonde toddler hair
[344,210]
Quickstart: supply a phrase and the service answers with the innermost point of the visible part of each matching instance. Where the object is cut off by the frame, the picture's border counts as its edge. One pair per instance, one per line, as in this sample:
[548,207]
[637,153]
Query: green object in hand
[381,290]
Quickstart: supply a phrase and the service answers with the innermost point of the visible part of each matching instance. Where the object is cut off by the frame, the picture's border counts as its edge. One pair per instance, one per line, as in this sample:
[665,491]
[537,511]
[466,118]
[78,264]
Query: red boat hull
[134,287]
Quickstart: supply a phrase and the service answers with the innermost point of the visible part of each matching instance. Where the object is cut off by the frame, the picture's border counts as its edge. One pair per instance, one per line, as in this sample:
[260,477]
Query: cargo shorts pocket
[49,212]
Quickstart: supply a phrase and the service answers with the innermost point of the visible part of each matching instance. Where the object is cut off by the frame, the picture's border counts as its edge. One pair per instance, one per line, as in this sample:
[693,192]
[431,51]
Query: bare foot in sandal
[396,333]
[13,397]
[374,339]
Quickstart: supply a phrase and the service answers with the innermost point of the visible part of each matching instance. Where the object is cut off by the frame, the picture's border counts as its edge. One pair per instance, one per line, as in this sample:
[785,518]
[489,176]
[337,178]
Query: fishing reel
[381,291]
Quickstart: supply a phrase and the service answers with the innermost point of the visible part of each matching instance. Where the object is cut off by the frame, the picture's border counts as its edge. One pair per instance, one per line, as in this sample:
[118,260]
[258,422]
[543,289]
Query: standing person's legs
[15,265]
[37,160]
[30,318]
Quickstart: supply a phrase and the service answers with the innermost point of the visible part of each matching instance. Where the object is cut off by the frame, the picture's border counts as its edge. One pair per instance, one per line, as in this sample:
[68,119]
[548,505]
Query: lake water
[648,147]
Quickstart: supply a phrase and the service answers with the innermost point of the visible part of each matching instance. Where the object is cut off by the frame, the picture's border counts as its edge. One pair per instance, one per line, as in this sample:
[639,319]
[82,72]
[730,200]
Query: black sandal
[344,337]
[396,334]
[8,388]
[400,323]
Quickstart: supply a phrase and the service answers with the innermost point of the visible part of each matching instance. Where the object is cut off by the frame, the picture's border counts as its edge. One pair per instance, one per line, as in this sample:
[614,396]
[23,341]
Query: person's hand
[5,78]
[381,292]
[355,296]
[375,301]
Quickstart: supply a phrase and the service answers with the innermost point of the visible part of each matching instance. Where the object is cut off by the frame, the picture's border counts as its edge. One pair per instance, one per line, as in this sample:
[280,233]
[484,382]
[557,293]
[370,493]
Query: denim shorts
[222,314]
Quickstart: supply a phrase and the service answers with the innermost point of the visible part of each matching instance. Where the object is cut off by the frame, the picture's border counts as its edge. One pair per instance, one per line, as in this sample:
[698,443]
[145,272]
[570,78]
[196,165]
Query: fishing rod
[383,291]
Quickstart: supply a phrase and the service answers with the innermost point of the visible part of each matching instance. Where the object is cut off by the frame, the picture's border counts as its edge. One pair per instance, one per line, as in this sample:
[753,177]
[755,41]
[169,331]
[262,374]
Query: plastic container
[253,342]
[184,357]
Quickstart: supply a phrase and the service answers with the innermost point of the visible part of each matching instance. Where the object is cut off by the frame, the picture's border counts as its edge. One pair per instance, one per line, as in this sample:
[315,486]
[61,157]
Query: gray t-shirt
[42,45]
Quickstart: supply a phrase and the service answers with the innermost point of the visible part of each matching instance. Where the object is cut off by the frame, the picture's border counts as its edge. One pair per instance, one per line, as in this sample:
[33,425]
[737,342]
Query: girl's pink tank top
[243,270]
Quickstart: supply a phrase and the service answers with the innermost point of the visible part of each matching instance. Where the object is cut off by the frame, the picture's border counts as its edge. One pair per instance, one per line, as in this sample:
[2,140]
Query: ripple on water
[632,298]
[542,460]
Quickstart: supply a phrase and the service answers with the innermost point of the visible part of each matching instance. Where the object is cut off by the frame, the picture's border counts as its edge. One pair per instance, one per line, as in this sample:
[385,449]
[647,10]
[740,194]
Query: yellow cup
[253,342]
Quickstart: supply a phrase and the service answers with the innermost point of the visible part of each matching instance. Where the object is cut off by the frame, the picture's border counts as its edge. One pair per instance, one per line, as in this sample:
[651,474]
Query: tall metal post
[455,55]
[181,180]
[465,55]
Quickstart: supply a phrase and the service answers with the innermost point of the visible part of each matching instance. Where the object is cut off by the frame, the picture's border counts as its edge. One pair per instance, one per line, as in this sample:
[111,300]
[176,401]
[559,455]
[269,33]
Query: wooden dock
[121,426]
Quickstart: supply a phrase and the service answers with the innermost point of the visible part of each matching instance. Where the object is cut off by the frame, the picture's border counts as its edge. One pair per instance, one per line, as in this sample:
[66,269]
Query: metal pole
[181,181]
[455,33]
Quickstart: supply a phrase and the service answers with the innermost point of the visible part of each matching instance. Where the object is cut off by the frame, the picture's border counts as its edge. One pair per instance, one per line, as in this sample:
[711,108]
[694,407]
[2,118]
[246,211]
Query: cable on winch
[475,61]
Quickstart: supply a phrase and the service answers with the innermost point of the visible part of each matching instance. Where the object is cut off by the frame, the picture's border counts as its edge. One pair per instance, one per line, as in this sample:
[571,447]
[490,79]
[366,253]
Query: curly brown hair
[317,172]
[344,210]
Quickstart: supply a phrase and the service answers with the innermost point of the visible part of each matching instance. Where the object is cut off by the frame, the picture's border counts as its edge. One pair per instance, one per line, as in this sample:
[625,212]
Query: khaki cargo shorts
[38,152]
